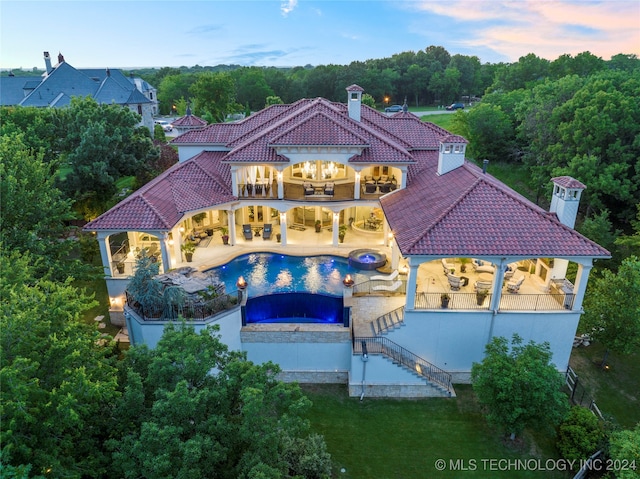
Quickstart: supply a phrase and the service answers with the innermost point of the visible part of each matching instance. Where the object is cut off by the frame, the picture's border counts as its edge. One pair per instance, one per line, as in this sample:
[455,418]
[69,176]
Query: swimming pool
[314,284]
[269,273]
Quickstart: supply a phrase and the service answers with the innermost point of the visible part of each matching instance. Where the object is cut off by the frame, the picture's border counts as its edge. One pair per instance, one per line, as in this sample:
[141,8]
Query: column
[335,226]
[579,289]
[234,180]
[395,254]
[164,251]
[283,228]
[231,224]
[279,177]
[412,276]
[356,190]
[498,278]
[104,253]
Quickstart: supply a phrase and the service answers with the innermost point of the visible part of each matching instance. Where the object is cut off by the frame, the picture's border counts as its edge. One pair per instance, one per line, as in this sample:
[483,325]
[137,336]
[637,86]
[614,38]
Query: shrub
[580,434]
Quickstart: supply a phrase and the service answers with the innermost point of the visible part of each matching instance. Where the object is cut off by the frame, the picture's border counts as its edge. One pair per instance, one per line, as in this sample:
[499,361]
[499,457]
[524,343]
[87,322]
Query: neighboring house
[60,82]
[401,186]
[188,122]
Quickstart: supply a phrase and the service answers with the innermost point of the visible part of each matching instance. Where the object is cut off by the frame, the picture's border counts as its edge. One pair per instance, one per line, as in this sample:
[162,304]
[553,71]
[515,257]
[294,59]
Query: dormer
[354,101]
[451,153]
[566,199]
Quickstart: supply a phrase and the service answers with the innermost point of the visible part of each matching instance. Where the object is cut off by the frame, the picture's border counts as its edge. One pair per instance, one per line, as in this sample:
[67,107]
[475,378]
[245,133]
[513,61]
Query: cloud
[287,6]
[205,29]
[550,29]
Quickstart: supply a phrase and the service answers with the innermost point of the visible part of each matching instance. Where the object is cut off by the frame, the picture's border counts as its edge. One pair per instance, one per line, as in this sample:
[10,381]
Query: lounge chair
[370,187]
[391,287]
[266,232]
[384,187]
[482,285]
[385,277]
[246,231]
[482,266]
[514,285]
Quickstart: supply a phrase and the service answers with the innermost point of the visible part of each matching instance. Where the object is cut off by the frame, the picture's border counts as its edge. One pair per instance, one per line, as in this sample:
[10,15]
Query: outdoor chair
[266,232]
[385,277]
[308,188]
[513,286]
[455,282]
[447,266]
[370,188]
[328,189]
[391,287]
[482,285]
[385,187]
[246,231]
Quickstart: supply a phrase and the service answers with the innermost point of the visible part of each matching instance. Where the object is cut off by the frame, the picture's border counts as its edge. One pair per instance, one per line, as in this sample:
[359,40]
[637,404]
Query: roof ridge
[313,116]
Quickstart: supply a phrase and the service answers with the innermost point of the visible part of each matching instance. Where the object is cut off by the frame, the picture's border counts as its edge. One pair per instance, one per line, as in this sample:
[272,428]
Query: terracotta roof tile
[568,182]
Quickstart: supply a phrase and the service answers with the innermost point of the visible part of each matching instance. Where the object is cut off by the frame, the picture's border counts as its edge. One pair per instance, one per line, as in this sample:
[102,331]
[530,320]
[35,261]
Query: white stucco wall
[302,356]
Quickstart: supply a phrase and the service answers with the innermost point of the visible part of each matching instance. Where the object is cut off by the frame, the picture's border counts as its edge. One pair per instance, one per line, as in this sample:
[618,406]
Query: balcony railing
[508,302]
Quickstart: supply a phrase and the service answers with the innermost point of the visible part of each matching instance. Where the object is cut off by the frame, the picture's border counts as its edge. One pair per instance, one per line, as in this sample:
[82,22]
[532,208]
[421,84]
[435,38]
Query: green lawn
[443,120]
[389,438]
[616,390]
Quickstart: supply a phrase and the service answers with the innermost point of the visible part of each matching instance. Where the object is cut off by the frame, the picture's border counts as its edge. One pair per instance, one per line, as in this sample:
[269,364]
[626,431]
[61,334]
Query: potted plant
[188,248]
[120,267]
[318,226]
[197,219]
[480,295]
[225,235]
[278,237]
[463,264]
[342,231]
[444,300]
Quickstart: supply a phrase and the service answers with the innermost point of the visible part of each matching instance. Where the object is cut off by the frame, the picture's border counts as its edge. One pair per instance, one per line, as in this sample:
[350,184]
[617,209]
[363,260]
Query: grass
[616,390]
[444,120]
[394,438]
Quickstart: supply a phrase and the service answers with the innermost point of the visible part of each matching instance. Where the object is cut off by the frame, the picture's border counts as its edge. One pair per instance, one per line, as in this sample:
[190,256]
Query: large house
[60,82]
[468,259]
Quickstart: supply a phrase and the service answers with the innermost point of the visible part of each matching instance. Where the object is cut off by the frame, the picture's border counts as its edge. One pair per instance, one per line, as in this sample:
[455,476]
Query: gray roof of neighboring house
[64,82]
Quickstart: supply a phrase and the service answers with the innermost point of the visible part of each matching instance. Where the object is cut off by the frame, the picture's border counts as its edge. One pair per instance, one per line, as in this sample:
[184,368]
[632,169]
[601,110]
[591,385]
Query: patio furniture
[246,231]
[328,189]
[482,267]
[510,271]
[447,266]
[308,188]
[455,282]
[249,189]
[266,232]
[391,287]
[385,277]
[370,187]
[482,285]
[513,286]
[385,187]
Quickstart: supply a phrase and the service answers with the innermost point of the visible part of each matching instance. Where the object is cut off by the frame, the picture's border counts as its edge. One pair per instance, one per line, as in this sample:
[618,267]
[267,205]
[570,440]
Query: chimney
[485,164]
[566,199]
[451,154]
[47,63]
[60,58]
[108,72]
[354,101]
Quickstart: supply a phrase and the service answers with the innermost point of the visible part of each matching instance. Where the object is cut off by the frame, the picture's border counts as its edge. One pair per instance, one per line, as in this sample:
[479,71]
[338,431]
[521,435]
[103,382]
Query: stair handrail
[375,323]
[395,352]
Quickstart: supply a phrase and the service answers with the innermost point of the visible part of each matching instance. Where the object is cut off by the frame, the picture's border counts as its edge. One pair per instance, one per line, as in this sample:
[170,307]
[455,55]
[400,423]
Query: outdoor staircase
[435,377]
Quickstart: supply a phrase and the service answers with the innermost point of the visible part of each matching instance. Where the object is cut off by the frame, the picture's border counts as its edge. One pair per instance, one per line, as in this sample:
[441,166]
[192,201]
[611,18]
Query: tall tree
[193,409]
[214,93]
[58,383]
[519,386]
[612,308]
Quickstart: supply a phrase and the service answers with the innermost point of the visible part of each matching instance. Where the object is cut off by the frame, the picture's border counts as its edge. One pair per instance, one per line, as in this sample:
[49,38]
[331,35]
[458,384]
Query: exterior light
[182,229]
[348,281]
[241,283]
[404,269]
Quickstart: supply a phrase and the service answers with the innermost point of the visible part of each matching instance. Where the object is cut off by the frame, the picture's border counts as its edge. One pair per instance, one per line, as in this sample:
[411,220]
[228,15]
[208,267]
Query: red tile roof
[461,213]
[568,182]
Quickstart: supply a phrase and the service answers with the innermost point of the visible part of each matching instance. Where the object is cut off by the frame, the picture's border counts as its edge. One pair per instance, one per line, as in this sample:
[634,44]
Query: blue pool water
[313,283]
[269,273]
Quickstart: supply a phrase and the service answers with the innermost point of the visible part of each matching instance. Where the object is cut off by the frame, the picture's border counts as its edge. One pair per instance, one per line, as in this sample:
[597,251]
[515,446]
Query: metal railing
[508,302]
[195,311]
[400,355]
[388,321]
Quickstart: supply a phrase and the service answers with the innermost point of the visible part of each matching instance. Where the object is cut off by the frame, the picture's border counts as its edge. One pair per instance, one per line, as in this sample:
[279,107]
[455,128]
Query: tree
[252,87]
[624,452]
[580,435]
[519,388]
[612,308]
[58,378]
[102,144]
[34,212]
[191,408]
[214,93]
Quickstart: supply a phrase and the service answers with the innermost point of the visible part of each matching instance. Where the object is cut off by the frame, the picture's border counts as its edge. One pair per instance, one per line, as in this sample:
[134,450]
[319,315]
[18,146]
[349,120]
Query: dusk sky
[130,34]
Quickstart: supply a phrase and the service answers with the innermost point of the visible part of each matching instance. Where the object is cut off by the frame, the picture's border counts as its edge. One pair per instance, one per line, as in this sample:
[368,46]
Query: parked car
[166,126]
[456,106]
[393,108]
